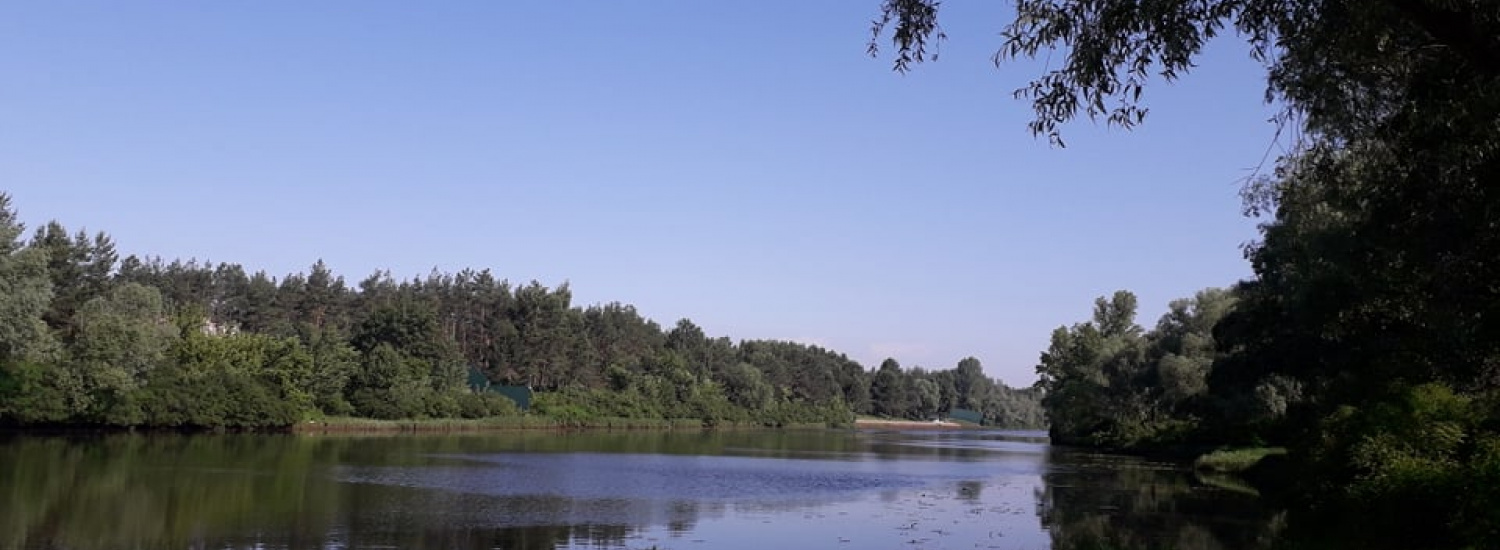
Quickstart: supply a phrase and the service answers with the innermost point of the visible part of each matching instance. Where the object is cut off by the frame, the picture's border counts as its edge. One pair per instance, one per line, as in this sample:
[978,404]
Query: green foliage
[237,381]
[217,398]
[890,390]
[1344,67]
[968,383]
[1233,461]
[706,405]
[390,384]
[747,388]
[920,394]
[1184,348]
[334,364]
[1423,455]
[33,393]
[118,340]
[1089,374]
[25,294]
[1370,336]
[1110,384]
[485,405]
[202,345]
[79,268]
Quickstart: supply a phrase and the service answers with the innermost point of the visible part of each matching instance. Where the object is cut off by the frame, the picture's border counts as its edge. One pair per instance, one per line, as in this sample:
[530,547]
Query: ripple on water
[654,477]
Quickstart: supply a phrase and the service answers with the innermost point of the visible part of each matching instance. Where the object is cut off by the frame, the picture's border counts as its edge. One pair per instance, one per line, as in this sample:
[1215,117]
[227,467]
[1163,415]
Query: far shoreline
[880,423]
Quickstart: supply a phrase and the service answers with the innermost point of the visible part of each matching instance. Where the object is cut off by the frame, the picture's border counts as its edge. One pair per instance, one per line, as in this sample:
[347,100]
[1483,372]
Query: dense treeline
[1368,341]
[1111,383]
[88,338]
[1370,440]
[919,394]
[1377,431]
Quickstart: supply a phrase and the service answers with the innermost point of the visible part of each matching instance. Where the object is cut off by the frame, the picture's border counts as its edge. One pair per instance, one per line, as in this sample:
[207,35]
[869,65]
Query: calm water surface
[713,490]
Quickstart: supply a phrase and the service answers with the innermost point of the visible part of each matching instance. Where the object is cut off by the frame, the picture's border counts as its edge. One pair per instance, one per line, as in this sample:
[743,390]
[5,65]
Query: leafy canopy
[1339,65]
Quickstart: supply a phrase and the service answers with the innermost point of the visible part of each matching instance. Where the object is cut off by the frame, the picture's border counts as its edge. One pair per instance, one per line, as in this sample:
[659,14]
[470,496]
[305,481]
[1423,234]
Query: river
[778,490]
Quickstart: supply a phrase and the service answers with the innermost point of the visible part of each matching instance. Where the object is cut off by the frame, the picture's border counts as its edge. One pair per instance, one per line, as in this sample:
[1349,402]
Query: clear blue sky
[742,164]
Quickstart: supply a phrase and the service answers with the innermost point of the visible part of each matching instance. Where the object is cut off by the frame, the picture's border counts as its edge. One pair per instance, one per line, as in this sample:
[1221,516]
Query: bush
[485,404]
[1425,456]
[1235,461]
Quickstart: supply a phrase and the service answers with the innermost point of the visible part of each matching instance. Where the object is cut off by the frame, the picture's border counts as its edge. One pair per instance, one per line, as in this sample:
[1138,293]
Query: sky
[745,165]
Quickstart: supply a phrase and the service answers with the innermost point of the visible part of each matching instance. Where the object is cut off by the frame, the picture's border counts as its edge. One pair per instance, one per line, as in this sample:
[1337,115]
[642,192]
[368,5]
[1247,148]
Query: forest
[89,339]
[1367,342]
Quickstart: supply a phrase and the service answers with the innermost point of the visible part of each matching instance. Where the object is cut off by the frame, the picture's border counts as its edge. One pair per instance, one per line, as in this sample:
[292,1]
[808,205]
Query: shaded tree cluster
[1369,338]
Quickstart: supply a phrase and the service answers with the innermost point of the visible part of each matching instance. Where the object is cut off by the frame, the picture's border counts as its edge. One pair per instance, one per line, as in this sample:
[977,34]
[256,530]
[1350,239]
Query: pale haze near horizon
[744,165]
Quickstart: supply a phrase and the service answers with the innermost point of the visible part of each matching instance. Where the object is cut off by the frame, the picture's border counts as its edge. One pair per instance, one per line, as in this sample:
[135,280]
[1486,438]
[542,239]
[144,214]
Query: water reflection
[1093,501]
[544,490]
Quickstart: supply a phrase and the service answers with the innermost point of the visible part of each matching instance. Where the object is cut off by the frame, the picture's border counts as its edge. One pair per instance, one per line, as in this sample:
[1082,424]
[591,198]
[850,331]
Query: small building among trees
[521,395]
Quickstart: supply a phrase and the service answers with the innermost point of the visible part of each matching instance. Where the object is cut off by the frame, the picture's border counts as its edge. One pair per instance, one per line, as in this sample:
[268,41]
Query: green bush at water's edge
[1233,461]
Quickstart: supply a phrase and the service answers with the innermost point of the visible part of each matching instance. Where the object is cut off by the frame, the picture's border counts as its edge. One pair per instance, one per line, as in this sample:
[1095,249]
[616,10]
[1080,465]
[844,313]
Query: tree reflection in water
[296,492]
[1092,501]
[254,492]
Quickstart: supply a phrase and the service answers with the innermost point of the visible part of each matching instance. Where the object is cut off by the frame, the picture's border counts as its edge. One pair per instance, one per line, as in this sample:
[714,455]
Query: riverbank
[507,423]
[886,424]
